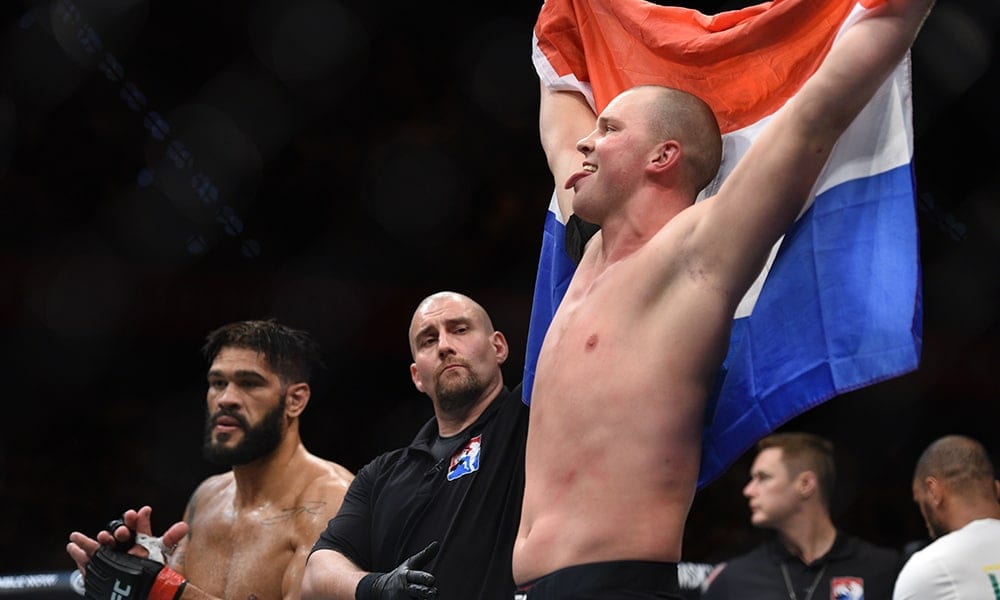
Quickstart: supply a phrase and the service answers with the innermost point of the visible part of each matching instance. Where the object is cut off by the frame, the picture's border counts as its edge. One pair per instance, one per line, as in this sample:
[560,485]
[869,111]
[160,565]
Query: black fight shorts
[618,580]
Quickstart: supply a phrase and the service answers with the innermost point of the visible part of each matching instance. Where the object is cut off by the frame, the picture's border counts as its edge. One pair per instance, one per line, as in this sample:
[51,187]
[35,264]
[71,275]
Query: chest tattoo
[313,508]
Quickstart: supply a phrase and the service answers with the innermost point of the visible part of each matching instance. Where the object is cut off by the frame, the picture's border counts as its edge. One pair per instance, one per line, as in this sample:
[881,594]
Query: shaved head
[475,310]
[676,114]
[960,462]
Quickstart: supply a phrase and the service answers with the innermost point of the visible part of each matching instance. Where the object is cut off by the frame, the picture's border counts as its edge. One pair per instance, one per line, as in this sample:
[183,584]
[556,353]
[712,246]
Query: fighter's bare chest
[241,557]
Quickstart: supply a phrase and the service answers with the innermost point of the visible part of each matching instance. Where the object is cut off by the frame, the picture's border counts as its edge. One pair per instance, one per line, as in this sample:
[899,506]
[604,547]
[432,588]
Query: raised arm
[768,188]
[564,118]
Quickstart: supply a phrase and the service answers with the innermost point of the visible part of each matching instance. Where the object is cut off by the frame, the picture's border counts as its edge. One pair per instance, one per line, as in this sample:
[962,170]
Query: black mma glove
[114,575]
[404,582]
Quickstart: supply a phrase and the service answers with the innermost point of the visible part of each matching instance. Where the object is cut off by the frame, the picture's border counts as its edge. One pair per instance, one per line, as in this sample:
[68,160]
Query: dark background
[168,167]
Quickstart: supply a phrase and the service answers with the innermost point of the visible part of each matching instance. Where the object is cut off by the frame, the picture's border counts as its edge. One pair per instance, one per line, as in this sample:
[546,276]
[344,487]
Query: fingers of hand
[123,535]
[175,534]
[419,591]
[419,579]
[131,518]
[144,520]
[423,557]
[78,554]
[103,537]
[87,544]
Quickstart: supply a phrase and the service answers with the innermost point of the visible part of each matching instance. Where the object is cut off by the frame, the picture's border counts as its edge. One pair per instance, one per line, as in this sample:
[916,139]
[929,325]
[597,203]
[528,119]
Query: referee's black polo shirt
[469,501]
[853,568]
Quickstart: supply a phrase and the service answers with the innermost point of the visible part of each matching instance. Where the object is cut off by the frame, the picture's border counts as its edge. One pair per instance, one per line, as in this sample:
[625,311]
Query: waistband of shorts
[590,576]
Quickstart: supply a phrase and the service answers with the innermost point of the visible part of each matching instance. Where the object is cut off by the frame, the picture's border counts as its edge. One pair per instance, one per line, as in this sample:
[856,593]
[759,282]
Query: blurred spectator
[956,488]
[790,488]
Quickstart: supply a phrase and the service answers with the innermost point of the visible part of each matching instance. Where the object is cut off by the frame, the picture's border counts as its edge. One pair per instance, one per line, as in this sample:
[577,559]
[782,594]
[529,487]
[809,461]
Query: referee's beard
[258,441]
[456,398]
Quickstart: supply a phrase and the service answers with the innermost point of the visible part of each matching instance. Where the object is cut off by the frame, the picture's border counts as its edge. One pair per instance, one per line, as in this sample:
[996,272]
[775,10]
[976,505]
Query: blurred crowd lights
[66,14]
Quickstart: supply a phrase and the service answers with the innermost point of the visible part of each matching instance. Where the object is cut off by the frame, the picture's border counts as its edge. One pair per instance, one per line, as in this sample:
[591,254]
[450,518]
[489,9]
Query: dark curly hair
[292,354]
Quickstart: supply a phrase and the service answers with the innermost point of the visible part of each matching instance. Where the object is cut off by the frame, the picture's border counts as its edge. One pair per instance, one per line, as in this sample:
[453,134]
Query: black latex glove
[405,582]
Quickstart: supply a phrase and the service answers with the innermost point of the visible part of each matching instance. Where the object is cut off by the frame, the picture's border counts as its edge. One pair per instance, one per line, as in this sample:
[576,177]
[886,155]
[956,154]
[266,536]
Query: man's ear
[500,347]
[806,483]
[296,399]
[935,490]
[666,156]
[416,378]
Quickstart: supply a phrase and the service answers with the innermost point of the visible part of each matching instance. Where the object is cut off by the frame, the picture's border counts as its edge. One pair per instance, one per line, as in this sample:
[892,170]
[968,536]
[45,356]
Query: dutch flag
[838,306]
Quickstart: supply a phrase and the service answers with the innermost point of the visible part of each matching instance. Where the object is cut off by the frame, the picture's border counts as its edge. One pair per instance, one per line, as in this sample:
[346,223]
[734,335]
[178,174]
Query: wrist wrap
[168,585]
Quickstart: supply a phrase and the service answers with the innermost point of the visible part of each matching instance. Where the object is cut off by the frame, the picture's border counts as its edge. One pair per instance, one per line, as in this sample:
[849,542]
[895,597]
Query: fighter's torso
[614,442]
[257,553]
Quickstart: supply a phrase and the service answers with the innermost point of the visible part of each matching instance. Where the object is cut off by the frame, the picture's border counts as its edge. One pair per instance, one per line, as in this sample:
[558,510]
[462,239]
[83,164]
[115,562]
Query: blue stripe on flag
[555,269]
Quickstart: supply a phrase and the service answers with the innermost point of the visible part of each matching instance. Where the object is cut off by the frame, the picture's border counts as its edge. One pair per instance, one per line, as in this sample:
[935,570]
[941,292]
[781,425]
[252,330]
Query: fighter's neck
[267,479]
[625,232]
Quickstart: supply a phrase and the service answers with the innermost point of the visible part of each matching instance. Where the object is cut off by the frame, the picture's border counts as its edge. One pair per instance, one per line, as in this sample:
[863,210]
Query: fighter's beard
[258,441]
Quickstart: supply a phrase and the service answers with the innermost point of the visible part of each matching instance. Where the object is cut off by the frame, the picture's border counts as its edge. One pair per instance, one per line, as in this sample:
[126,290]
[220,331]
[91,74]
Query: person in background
[956,489]
[790,491]
[247,532]
[436,518]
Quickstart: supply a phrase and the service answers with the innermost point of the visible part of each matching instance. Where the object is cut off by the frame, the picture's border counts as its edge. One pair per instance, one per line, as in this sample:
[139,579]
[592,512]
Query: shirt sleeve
[920,579]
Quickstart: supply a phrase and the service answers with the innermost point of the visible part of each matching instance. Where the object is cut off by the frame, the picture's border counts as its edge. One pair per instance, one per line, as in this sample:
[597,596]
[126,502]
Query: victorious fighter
[618,403]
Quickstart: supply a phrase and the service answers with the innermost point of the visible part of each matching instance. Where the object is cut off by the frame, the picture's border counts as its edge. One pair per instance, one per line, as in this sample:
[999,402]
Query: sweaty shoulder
[213,489]
[323,486]
[324,476]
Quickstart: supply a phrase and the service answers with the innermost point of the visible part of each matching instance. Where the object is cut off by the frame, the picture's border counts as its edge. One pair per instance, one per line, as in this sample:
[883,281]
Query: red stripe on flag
[744,63]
